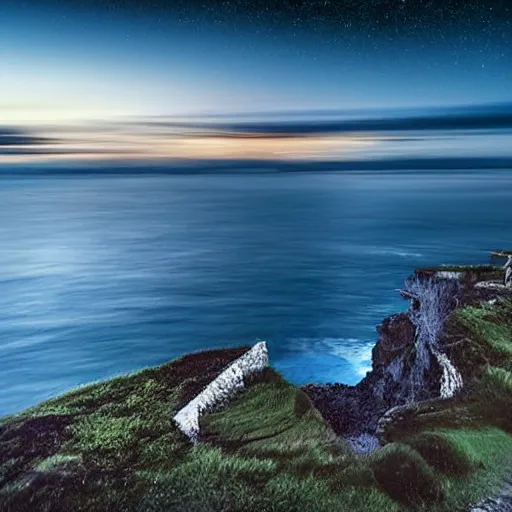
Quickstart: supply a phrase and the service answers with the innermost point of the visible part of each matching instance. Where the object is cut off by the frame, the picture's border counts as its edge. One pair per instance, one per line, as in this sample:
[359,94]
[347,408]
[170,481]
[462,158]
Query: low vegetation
[113,446]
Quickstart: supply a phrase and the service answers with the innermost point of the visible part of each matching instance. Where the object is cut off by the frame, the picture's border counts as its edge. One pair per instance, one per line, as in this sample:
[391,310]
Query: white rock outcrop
[451,380]
[221,389]
[445,274]
[491,285]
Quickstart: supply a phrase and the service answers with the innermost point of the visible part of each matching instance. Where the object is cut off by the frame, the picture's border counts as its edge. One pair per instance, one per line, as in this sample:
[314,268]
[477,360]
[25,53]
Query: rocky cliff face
[413,360]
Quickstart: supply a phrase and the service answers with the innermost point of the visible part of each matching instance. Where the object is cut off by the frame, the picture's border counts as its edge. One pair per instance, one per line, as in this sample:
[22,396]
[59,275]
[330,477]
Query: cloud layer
[453,134]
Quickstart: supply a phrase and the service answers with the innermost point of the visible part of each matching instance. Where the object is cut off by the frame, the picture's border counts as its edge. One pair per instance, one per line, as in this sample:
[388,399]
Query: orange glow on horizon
[92,144]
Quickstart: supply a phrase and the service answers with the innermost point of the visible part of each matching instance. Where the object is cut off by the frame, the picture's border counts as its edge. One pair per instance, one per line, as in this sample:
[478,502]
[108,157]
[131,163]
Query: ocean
[106,275]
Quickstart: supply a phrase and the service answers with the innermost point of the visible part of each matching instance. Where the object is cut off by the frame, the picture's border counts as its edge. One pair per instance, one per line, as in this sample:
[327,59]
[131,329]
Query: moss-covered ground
[113,446]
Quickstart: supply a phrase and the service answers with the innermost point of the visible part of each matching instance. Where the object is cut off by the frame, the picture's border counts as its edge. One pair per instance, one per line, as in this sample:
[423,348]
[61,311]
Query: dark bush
[441,454]
[266,375]
[302,404]
[405,476]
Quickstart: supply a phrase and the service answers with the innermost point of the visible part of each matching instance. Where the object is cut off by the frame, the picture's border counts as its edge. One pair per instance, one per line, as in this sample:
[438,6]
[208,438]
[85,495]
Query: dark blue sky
[88,62]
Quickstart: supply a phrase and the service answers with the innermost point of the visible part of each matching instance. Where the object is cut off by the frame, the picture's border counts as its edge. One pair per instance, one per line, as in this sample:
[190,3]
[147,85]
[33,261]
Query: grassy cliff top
[113,445]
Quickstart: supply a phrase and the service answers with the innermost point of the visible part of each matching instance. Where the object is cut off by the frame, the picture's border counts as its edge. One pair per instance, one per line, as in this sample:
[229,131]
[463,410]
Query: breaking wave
[357,352]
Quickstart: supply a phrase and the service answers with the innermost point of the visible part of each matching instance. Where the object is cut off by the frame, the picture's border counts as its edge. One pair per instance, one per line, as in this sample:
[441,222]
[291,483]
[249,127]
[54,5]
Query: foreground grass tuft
[441,453]
[406,476]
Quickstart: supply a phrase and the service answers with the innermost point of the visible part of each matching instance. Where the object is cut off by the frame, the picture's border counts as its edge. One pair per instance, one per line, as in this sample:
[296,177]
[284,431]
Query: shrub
[498,382]
[403,473]
[496,402]
[440,453]
[302,404]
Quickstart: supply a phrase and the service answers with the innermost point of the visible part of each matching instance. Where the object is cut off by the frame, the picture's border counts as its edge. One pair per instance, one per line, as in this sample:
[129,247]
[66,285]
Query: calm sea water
[100,276]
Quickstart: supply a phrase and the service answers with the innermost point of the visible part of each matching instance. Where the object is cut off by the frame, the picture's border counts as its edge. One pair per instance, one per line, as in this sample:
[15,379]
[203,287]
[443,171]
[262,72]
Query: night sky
[94,76]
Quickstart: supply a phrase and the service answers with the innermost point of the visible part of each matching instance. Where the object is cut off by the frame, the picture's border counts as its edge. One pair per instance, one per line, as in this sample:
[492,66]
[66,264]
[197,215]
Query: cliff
[440,372]
[433,416]
[434,351]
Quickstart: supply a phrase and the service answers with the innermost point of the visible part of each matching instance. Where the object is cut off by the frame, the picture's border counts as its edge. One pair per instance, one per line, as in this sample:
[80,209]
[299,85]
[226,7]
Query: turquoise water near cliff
[104,275]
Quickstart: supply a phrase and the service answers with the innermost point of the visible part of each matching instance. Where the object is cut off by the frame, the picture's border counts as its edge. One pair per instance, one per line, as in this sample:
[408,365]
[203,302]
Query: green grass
[207,479]
[406,476]
[113,427]
[113,446]
[462,465]
[213,481]
[489,451]
[490,326]
[498,382]
[287,428]
[59,463]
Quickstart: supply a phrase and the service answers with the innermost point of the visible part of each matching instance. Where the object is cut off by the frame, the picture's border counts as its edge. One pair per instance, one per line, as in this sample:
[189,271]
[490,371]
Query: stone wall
[221,389]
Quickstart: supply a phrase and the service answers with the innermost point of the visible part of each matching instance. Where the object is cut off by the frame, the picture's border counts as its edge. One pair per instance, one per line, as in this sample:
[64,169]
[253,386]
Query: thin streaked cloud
[457,132]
